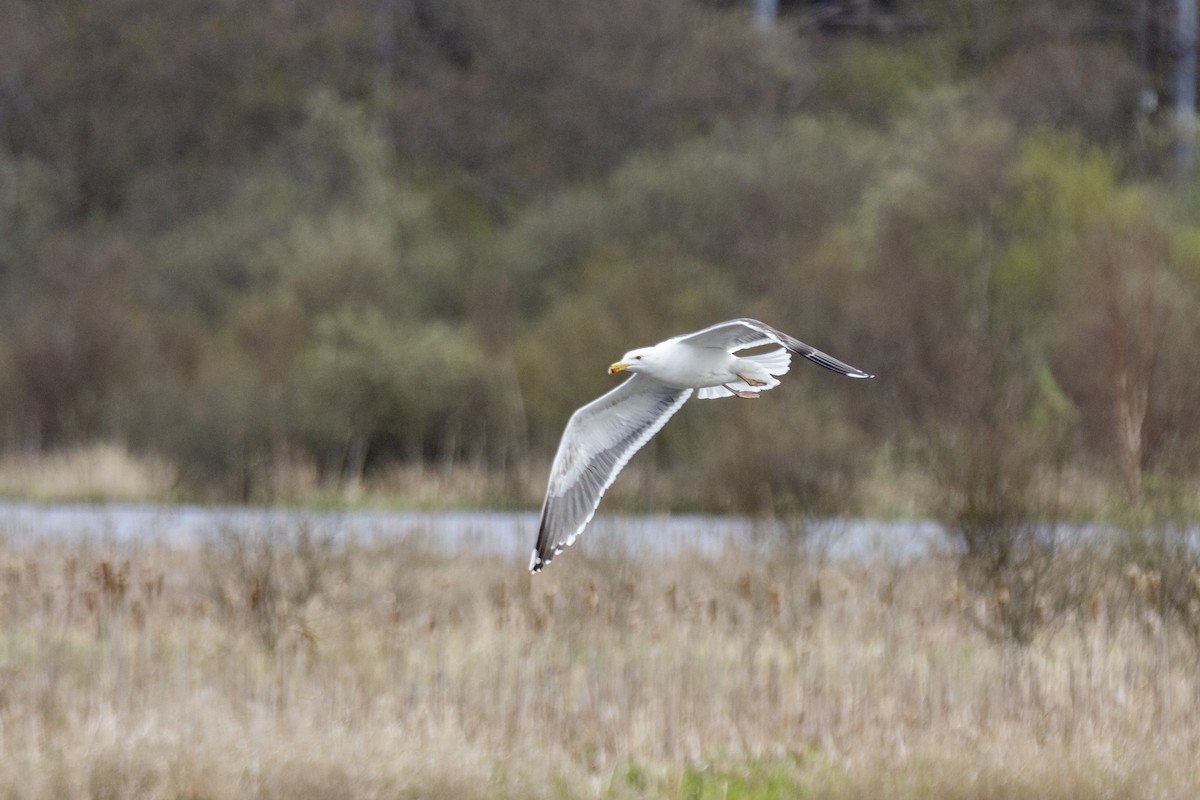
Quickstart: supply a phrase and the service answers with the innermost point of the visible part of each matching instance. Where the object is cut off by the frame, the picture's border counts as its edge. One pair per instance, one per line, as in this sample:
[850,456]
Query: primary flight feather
[601,436]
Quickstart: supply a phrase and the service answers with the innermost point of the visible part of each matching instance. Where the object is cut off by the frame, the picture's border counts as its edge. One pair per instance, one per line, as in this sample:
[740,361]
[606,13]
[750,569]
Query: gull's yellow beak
[620,366]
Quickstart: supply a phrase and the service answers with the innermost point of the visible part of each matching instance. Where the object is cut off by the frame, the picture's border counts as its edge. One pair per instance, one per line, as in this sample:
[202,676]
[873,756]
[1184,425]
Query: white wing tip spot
[537,563]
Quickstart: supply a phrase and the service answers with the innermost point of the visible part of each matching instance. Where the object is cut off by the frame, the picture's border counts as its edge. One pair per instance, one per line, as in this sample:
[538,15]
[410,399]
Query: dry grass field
[296,667]
[103,471]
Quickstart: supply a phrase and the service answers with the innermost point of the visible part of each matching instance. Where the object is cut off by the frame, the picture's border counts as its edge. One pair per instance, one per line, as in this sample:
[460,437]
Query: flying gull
[602,436]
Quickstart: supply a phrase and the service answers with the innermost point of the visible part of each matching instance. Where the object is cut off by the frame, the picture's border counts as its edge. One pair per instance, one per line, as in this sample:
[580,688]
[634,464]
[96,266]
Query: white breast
[686,367]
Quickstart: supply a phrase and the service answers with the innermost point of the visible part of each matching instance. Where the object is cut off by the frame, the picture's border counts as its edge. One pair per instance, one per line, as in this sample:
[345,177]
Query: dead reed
[101,471]
[137,672]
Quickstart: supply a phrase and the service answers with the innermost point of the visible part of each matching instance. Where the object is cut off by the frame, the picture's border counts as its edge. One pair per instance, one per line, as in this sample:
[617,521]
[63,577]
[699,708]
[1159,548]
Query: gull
[601,436]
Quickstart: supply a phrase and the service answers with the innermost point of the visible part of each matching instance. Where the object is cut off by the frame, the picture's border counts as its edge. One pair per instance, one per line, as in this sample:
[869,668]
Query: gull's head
[633,361]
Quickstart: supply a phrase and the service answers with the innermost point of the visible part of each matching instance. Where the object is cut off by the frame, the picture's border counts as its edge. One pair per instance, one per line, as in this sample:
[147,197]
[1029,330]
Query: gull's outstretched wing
[738,334]
[599,439]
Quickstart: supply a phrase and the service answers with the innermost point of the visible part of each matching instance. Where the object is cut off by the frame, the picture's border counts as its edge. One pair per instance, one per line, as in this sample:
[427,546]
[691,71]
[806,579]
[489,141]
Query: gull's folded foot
[742,394]
[751,381]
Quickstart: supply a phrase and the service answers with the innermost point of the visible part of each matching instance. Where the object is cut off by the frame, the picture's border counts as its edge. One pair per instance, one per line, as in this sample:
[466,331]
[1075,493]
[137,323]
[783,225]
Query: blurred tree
[223,226]
[75,337]
[527,96]
[373,388]
[1069,83]
[32,205]
[957,344]
[318,281]
[141,98]
[1124,303]
[746,204]
[875,82]
[323,216]
[932,248]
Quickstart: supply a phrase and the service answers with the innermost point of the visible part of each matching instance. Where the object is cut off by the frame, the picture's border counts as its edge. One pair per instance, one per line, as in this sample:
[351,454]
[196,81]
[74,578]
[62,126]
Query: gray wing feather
[738,334]
[598,441]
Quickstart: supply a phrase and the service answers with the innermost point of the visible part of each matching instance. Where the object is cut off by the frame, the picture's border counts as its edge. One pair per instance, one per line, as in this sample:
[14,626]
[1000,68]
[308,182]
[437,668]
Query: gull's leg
[751,381]
[740,393]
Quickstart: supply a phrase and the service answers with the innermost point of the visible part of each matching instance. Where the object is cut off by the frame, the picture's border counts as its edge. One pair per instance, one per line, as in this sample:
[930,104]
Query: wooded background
[241,236]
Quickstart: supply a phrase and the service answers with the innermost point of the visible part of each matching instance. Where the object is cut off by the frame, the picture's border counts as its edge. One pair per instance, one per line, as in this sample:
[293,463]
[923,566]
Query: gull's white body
[601,436]
[683,366]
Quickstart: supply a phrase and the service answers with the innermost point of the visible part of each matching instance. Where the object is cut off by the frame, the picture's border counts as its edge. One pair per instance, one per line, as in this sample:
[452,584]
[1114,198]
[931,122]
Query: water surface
[503,533]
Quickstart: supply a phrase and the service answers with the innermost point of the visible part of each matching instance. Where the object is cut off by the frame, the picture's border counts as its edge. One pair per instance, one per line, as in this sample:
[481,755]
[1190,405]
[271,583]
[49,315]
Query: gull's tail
[774,362]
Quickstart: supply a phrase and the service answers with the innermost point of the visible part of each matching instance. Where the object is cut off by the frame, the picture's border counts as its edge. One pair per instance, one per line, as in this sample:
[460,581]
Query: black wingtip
[544,550]
[830,363]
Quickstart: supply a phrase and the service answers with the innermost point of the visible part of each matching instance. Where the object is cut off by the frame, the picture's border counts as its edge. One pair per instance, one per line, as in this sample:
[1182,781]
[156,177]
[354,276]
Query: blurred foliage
[31,206]
[749,203]
[873,84]
[521,97]
[316,240]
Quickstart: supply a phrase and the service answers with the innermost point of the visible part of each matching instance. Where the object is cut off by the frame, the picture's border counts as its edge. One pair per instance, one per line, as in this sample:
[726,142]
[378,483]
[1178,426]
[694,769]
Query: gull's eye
[637,358]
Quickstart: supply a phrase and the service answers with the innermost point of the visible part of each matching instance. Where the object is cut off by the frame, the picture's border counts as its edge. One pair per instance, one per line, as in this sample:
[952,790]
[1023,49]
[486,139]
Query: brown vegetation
[143,672]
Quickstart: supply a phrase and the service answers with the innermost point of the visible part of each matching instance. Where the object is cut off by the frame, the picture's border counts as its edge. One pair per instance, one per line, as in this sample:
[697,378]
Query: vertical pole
[765,13]
[1141,41]
[385,58]
[1185,86]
